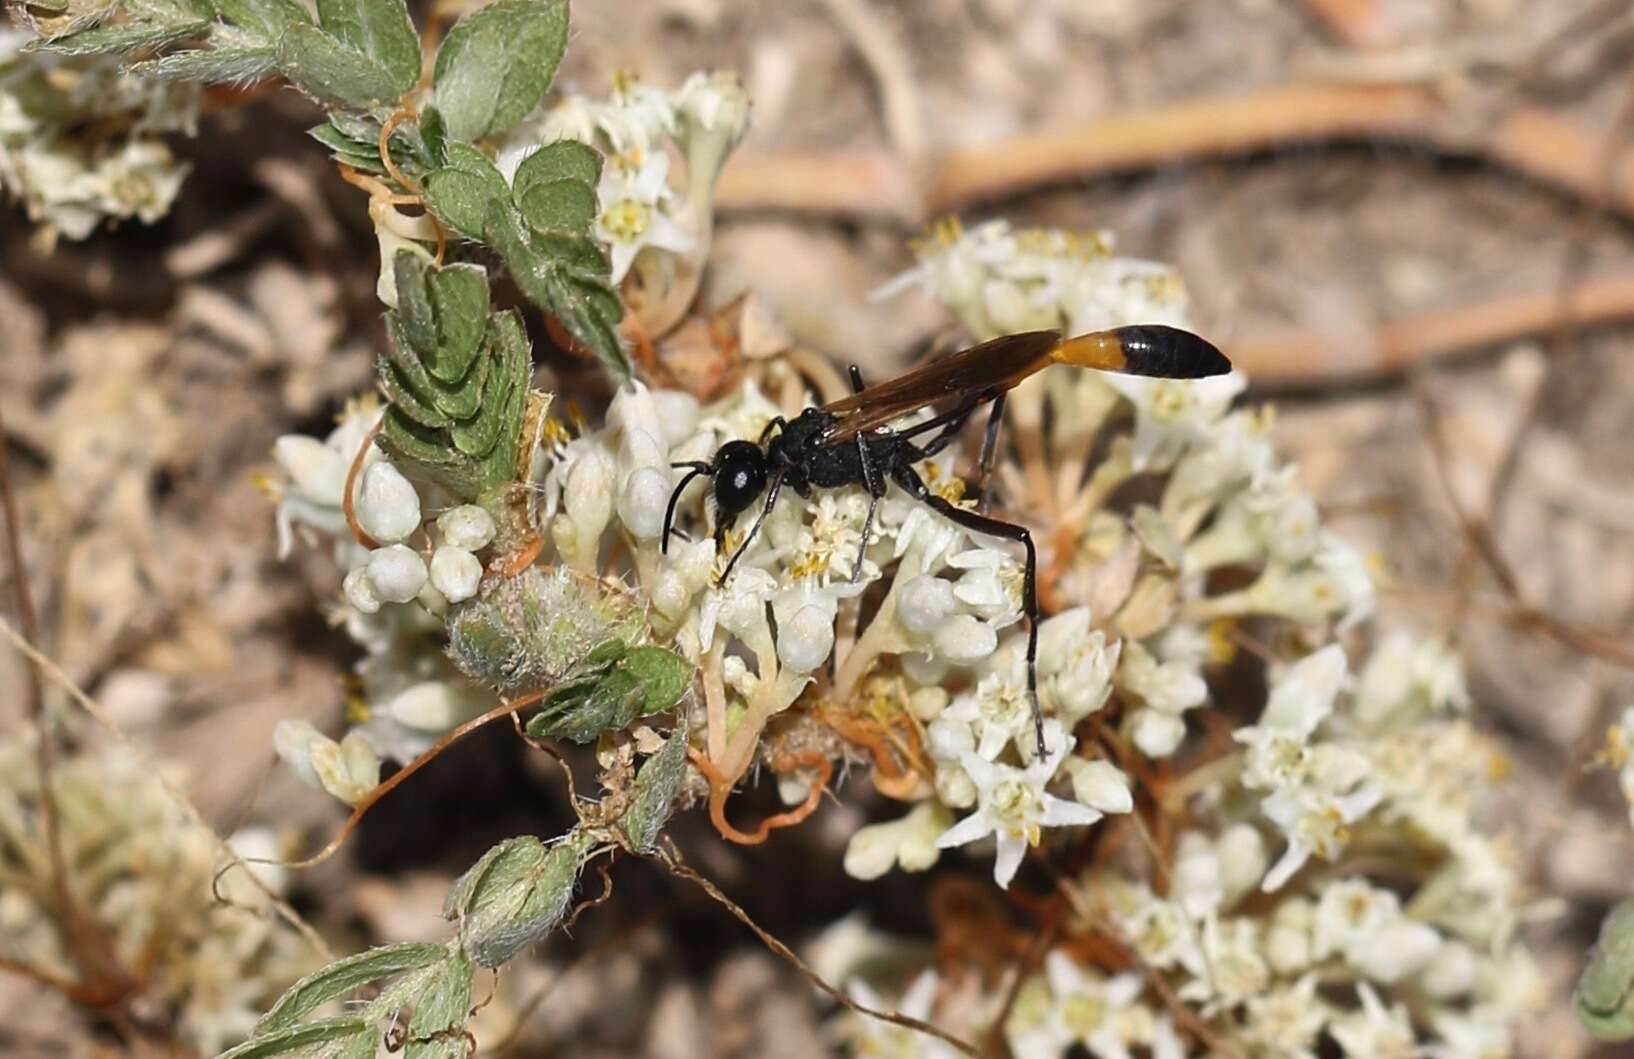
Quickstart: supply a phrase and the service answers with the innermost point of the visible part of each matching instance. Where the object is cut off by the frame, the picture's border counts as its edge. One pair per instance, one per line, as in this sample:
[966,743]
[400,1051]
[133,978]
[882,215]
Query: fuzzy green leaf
[662,674]
[331,71]
[528,909]
[1605,994]
[441,1012]
[459,297]
[434,133]
[655,788]
[129,36]
[567,277]
[559,205]
[495,64]
[241,66]
[460,192]
[341,1036]
[494,872]
[562,160]
[343,976]
[451,401]
[414,309]
[379,29]
[267,19]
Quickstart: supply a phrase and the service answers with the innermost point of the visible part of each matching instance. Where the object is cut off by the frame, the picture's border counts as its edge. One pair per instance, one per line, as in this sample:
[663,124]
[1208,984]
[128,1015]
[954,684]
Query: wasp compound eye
[740,476]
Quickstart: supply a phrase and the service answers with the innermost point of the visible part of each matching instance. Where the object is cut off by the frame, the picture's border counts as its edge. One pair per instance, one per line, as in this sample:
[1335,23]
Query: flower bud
[964,638]
[1101,785]
[396,573]
[430,706]
[1156,733]
[806,640]
[455,573]
[388,508]
[467,526]
[642,502]
[359,592]
[924,603]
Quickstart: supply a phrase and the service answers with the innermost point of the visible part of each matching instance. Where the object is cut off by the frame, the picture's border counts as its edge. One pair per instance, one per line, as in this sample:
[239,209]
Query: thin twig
[1298,357]
[675,866]
[888,61]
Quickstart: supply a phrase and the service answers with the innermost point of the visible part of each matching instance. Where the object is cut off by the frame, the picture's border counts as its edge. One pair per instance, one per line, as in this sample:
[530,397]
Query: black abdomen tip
[1170,353]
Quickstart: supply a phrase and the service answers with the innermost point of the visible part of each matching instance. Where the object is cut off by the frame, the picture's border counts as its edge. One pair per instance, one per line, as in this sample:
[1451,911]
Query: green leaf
[495,64]
[130,36]
[494,872]
[343,976]
[459,193]
[449,401]
[529,908]
[440,1013]
[566,277]
[562,160]
[331,71]
[210,66]
[265,18]
[459,297]
[1605,994]
[434,133]
[655,788]
[362,156]
[292,1039]
[662,674]
[559,205]
[379,29]
[414,309]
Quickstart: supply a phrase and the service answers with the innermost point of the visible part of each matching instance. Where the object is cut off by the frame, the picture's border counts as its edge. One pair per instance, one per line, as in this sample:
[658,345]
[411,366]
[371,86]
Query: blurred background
[1407,220]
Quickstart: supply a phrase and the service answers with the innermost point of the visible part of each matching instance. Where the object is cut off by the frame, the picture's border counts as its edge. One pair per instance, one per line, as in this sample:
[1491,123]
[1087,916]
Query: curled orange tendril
[720,788]
[347,506]
[891,777]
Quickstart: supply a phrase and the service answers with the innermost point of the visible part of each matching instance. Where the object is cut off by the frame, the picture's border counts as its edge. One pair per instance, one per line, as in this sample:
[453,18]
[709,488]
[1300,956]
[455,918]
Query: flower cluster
[142,873]
[56,152]
[1170,538]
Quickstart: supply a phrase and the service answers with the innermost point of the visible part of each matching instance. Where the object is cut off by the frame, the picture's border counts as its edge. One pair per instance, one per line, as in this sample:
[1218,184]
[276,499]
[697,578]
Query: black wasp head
[740,476]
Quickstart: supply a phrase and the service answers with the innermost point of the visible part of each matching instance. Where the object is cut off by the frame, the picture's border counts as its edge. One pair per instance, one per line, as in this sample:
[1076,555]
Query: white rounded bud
[806,639]
[965,638]
[1100,784]
[455,573]
[388,508]
[924,603]
[677,415]
[359,592]
[467,526]
[1451,972]
[1242,859]
[641,503]
[1156,733]
[430,706]
[396,573]
[949,738]
[294,741]
[872,850]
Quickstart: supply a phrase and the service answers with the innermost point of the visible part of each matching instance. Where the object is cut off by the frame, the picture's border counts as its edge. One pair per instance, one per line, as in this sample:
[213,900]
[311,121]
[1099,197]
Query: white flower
[317,473]
[1099,1013]
[1075,665]
[466,526]
[1314,821]
[910,842]
[1286,1020]
[1470,1036]
[923,603]
[347,770]
[359,592]
[1013,806]
[884,1040]
[1406,680]
[1375,1032]
[1171,414]
[634,193]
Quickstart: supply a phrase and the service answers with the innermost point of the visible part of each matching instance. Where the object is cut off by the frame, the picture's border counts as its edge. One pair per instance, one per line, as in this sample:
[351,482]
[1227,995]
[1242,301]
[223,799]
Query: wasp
[851,441]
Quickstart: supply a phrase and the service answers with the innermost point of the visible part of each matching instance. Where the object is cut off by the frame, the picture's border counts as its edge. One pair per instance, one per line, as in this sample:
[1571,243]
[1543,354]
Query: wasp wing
[981,372]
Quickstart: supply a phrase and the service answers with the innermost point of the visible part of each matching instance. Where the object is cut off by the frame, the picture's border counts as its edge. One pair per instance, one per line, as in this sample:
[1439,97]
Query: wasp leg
[856,379]
[875,484]
[990,445]
[698,467]
[765,509]
[910,481]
